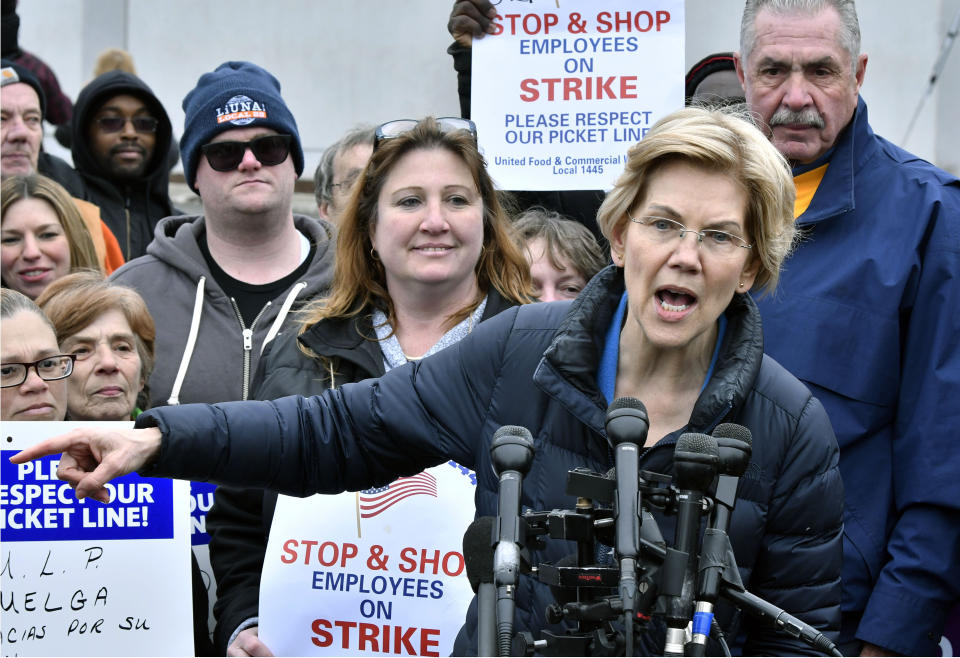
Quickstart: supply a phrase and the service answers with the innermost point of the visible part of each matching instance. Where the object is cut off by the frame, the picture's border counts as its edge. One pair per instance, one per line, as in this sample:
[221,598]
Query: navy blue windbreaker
[867,314]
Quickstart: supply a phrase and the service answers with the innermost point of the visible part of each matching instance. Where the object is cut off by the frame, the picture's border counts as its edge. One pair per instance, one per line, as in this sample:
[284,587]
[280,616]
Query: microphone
[627,426]
[716,554]
[511,451]
[696,460]
[478,559]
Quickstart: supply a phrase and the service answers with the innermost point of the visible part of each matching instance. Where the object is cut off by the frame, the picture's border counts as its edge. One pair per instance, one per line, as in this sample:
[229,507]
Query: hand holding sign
[94,456]
[469,19]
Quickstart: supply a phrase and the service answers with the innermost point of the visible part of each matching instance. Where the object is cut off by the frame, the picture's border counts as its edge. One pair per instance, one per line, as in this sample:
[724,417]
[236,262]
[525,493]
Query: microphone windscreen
[695,461]
[735,445]
[478,551]
[733,431]
[511,449]
[627,422]
[512,430]
[627,403]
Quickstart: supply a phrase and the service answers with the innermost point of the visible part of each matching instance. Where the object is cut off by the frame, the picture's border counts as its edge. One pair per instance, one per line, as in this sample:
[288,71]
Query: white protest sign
[373,572]
[565,87]
[80,578]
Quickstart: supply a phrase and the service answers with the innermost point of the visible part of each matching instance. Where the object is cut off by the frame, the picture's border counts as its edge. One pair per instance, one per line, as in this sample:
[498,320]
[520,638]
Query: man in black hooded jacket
[121,139]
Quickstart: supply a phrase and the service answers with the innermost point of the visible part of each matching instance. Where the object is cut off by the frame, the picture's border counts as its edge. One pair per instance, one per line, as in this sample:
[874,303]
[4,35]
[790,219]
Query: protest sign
[561,90]
[81,578]
[372,572]
[201,500]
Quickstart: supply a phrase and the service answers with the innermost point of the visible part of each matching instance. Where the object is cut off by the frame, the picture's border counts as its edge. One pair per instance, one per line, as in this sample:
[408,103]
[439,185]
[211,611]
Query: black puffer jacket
[240,519]
[536,366]
[131,209]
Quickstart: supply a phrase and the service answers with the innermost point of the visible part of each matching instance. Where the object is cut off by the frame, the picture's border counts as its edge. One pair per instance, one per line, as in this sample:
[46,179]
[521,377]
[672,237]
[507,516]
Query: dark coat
[240,519]
[130,208]
[535,366]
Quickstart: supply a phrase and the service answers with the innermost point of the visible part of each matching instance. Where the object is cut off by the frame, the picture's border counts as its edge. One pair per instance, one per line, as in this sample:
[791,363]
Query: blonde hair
[359,280]
[114,59]
[83,255]
[727,141]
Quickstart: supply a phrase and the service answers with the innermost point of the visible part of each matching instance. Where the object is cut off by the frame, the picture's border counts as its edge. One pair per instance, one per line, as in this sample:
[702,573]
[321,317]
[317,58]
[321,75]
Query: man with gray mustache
[866,315]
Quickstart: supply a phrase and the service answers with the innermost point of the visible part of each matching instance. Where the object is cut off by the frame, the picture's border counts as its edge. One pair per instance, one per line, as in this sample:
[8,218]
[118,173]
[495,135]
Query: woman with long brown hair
[43,235]
[424,253]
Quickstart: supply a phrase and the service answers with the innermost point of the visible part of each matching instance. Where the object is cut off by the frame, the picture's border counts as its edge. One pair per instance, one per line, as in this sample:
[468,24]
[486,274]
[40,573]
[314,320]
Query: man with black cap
[220,286]
[121,137]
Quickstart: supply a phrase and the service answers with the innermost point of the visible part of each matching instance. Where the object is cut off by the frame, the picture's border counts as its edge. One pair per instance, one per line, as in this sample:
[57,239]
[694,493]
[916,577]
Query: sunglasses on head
[270,150]
[116,124]
[398,127]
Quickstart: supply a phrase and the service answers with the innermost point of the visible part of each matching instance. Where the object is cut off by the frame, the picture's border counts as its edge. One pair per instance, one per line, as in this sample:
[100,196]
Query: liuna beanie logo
[241,110]
[234,95]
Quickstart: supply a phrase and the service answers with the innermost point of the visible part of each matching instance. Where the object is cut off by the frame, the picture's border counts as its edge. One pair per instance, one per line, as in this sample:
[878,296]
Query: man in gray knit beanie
[222,284]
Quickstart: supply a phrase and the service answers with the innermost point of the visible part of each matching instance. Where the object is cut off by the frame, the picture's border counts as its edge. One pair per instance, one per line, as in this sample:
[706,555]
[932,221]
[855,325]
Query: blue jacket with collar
[536,366]
[866,314]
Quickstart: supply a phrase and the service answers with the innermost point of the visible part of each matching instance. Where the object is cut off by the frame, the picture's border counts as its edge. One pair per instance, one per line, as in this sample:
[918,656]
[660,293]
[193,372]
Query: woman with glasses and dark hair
[702,214]
[424,255]
[32,368]
[109,330]
[42,235]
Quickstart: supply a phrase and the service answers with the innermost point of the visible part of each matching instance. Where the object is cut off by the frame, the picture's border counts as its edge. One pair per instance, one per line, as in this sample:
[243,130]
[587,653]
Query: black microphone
[512,453]
[695,461]
[627,426]
[716,554]
[478,559]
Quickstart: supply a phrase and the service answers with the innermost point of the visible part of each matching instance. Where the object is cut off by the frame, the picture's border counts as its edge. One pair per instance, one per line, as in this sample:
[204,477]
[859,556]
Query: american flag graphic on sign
[380,499]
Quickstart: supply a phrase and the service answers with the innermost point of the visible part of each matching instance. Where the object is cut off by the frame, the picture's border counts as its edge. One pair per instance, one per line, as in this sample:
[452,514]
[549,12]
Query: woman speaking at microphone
[702,215]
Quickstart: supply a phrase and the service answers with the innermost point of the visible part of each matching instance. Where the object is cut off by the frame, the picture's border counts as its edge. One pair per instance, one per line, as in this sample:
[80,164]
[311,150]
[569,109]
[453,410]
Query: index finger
[52,446]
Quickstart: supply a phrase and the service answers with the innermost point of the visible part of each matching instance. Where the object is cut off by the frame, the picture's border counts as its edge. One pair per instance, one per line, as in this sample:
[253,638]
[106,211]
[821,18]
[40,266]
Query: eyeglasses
[662,230]
[270,150]
[398,127]
[49,368]
[347,183]
[116,124]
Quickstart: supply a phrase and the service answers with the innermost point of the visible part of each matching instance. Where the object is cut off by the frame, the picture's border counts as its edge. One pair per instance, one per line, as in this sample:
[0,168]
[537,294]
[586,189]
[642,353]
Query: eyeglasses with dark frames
[662,230]
[270,150]
[140,124]
[397,127]
[49,368]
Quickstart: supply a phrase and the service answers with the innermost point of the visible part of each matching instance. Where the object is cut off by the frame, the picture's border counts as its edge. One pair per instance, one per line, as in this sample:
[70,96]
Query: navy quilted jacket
[536,366]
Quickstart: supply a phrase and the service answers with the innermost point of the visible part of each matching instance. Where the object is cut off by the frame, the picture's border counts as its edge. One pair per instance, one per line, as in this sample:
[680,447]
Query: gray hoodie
[203,351]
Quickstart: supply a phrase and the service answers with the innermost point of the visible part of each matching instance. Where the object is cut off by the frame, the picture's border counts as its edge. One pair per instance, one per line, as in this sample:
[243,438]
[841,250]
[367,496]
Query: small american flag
[375,501]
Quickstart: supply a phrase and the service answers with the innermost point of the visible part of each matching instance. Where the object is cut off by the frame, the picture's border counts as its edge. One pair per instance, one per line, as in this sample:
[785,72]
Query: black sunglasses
[398,127]
[270,150]
[116,124]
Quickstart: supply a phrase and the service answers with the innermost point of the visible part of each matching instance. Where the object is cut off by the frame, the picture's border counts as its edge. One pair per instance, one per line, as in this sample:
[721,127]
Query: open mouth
[674,300]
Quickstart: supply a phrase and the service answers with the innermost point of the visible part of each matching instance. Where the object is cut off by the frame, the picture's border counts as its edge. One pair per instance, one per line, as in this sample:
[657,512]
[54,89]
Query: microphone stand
[695,465]
[511,451]
[734,445]
[478,543]
[627,426]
